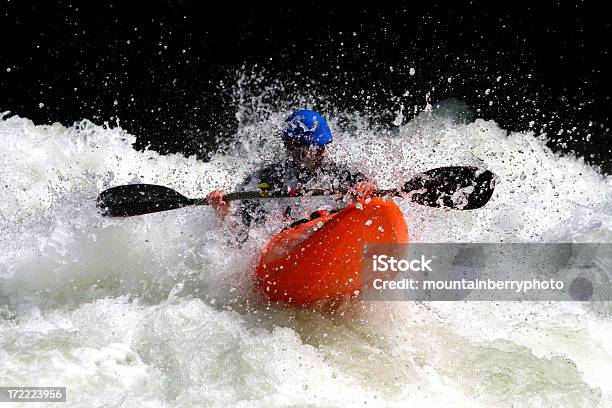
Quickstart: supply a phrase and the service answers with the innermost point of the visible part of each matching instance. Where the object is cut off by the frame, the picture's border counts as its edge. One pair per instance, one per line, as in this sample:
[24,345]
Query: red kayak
[320,259]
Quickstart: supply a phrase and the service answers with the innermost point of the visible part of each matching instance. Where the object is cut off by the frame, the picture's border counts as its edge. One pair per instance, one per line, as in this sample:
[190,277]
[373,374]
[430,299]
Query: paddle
[460,188]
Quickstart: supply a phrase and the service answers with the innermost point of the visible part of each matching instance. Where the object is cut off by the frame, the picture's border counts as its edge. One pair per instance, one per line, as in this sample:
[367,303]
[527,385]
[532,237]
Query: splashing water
[160,310]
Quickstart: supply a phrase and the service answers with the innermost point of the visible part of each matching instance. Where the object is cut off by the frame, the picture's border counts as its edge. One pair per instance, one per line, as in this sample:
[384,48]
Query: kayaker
[305,136]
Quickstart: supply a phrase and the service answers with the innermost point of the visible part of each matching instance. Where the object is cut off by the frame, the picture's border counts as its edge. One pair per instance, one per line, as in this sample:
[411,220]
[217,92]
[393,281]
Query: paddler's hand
[363,189]
[222,207]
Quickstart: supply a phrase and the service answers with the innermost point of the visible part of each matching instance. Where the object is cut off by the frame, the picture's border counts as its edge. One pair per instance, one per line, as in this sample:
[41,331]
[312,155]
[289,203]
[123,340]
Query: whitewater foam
[159,310]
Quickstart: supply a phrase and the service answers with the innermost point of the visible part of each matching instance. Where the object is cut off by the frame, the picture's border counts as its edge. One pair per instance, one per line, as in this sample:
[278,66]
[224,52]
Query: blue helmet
[307,127]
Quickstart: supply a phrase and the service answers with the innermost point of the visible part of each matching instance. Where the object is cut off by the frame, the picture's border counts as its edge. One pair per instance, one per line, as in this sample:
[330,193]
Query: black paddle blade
[459,188]
[138,199]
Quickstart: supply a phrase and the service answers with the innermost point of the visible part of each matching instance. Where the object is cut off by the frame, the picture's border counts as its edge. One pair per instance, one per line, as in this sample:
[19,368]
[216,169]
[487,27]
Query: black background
[168,69]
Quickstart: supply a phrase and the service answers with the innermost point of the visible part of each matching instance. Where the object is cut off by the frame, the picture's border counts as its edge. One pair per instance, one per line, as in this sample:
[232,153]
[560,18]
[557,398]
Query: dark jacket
[286,175]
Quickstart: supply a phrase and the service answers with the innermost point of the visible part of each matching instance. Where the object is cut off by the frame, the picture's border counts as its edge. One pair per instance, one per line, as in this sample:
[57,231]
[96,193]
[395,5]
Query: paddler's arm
[362,189]
[245,212]
[222,208]
[222,211]
[216,201]
[360,186]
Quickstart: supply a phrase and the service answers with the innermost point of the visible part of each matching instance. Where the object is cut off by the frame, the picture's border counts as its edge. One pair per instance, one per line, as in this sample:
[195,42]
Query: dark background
[168,69]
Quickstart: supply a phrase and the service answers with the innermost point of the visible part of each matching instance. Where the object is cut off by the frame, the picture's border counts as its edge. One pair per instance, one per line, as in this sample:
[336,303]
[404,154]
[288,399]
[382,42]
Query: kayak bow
[321,259]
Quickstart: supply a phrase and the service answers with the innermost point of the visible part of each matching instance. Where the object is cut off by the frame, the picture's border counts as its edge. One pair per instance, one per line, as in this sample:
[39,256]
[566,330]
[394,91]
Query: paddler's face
[309,156]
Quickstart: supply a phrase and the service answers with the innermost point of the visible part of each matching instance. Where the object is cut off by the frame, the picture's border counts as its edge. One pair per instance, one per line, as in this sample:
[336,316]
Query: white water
[159,310]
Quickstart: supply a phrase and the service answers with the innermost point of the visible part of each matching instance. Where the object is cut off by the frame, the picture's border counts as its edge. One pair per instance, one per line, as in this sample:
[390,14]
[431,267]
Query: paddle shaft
[257,195]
